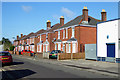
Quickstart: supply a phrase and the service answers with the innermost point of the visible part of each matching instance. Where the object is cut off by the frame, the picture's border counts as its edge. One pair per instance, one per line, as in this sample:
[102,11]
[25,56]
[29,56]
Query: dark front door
[110,50]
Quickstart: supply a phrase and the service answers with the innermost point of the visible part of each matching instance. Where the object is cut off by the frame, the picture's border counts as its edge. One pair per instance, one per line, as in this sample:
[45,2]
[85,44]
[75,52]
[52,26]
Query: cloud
[67,12]
[27,8]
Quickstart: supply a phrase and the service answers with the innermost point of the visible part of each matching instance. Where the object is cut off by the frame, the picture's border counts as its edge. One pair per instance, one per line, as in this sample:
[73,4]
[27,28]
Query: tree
[7,44]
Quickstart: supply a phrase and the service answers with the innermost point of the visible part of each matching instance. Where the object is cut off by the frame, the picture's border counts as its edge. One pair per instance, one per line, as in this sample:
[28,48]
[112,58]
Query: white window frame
[66,33]
[40,48]
[73,47]
[59,46]
[73,32]
[69,48]
[55,46]
[63,34]
[46,48]
[40,37]
[58,34]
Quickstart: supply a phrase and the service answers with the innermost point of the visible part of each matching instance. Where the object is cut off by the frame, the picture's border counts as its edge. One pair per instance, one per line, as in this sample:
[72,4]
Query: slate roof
[54,27]
[79,19]
[38,32]
[58,40]
[27,36]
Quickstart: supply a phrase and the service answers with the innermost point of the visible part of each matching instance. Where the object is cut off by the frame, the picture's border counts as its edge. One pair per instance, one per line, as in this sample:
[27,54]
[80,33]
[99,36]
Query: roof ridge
[94,18]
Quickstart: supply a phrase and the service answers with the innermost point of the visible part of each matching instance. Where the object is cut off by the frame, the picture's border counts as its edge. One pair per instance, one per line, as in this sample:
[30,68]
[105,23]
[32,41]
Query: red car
[5,57]
[26,51]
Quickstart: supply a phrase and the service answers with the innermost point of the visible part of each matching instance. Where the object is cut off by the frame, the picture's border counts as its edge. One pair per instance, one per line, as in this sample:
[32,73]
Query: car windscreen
[4,54]
[55,51]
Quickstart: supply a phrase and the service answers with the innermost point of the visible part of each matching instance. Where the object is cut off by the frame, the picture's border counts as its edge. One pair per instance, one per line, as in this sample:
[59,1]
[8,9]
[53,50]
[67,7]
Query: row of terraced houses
[69,37]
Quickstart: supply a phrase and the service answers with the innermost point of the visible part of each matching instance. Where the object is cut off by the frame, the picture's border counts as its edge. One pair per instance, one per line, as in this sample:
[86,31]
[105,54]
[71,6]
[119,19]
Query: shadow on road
[16,74]
[14,63]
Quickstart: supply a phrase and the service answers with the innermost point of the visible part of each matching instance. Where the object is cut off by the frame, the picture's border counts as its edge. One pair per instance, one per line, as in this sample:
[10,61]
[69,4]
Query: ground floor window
[59,46]
[73,47]
[55,46]
[32,48]
[40,47]
[69,48]
[46,48]
[63,47]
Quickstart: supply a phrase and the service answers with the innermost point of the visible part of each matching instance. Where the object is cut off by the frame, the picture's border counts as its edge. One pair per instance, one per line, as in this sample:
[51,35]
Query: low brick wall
[78,56]
[26,54]
[64,56]
[39,55]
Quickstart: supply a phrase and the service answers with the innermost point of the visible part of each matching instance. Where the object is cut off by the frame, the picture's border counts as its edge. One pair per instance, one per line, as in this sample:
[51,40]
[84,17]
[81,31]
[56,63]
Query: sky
[27,17]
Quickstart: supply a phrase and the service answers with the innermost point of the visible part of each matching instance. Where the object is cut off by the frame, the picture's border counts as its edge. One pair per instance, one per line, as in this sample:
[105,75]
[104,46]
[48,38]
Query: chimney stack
[85,14]
[17,37]
[48,24]
[21,35]
[61,20]
[103,15]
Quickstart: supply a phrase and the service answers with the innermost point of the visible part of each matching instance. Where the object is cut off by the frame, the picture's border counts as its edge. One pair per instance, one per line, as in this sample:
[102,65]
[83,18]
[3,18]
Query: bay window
[69,48]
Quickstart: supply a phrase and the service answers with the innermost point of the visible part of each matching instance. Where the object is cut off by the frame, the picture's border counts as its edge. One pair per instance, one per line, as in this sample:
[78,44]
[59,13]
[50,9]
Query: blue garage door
[110,50]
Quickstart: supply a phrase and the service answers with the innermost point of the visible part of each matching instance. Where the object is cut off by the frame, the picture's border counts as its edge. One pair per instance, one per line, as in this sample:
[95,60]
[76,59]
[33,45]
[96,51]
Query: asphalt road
[31,69]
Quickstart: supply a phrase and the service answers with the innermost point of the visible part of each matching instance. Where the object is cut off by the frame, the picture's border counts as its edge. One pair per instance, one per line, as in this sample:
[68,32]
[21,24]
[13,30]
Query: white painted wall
[1,48]
[119,34]
[103,29]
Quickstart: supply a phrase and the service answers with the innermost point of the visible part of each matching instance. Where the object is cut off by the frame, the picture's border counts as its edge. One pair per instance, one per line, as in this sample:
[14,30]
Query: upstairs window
[63,33]
[73,32]
[40,37]
[33,40]
[58,34]
[46,36]
[66,33]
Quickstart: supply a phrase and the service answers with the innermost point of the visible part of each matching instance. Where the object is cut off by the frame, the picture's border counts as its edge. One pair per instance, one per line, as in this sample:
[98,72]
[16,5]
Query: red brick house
[73,35]
[46,43]
[70,37]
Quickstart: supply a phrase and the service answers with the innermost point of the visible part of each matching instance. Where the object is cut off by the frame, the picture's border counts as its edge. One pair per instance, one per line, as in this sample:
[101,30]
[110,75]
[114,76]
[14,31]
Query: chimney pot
[48,24]
[103,15]
[62,20]
[17,37]
[21,35]
[85,15]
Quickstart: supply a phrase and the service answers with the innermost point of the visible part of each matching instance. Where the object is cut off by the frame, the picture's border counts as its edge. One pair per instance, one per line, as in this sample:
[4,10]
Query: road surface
[28,69]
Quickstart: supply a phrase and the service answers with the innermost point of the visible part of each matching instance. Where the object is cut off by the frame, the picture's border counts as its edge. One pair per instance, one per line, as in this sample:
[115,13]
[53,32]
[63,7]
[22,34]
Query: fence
[64,56]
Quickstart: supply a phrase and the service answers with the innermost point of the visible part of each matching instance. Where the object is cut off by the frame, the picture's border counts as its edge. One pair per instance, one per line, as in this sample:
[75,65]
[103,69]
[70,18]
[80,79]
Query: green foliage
[12,48]
[7,43]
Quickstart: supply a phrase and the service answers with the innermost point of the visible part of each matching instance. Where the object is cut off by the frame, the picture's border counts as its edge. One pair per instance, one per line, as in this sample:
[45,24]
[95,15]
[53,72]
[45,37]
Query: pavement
[104,68]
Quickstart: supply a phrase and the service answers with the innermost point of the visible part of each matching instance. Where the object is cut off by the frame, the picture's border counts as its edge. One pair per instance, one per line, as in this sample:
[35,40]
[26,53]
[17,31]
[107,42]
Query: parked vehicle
[5,57]
[26,51]
[54,53]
